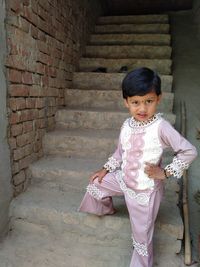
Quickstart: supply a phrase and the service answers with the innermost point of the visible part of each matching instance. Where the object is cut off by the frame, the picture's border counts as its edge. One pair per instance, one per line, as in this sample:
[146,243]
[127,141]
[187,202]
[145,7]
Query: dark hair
[140,82]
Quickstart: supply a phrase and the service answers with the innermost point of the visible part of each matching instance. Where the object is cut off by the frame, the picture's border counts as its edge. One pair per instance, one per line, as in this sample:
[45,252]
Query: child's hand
[98,175]
[154,172]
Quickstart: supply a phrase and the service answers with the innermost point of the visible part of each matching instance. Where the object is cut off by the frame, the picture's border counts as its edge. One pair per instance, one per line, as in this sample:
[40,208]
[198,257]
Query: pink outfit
[139,142]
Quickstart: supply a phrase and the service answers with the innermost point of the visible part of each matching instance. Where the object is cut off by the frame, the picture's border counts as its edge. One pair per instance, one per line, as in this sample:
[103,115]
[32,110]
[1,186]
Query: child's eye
[135,103]
[149,101]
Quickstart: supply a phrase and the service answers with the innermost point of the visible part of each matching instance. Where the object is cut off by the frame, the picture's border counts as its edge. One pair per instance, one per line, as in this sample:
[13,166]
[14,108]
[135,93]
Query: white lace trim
[140,248]
[111,164]
[177,167]
[94,192]
[141,198]
[138,124]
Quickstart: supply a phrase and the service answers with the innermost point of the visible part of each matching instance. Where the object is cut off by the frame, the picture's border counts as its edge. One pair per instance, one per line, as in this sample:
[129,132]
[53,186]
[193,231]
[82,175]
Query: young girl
[135,168]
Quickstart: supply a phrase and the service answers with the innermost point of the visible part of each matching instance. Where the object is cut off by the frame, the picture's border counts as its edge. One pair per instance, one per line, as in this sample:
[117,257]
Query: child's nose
[142,107]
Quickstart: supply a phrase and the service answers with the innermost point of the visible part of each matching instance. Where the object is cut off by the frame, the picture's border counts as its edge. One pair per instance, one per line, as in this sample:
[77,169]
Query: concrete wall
[45,39]
[196,12]
[5,172]
[120,7]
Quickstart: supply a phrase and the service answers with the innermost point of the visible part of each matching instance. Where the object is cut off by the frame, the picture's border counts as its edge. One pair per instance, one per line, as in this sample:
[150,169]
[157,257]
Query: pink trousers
[143,209]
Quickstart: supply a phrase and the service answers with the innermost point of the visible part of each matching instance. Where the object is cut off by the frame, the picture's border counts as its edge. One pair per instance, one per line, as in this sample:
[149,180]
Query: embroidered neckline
[134,123]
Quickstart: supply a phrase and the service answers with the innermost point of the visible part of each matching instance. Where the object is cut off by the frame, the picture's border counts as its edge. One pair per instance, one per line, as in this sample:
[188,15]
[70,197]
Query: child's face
[144,107]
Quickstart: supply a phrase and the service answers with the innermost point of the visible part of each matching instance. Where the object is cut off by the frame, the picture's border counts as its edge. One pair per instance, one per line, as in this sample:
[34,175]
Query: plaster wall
[196,13]
[5,172]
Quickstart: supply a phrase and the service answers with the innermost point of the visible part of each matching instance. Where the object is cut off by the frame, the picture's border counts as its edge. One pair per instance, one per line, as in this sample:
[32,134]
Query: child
[135,168]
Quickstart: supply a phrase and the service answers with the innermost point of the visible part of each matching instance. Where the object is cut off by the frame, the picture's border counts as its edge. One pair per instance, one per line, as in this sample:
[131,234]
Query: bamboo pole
[187,241]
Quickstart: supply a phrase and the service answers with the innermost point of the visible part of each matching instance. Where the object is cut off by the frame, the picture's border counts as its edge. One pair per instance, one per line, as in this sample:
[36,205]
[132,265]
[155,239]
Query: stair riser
[75,119]
[146,52]
[108,230]
[78,181]
[111,81]
[114,65]
[133,19]
[78,146]
[108,99]
[90,120]
[130,39]
[133,28]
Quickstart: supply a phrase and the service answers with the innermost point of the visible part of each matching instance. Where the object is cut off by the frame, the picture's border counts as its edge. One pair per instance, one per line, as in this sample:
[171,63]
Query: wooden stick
[187,254]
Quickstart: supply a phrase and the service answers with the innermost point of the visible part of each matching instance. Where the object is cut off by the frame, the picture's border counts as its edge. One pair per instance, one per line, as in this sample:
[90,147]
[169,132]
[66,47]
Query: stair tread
[89,133]
[55,251]
[39,198]
[134,28]
[163,18]
[109,81]
[162,66]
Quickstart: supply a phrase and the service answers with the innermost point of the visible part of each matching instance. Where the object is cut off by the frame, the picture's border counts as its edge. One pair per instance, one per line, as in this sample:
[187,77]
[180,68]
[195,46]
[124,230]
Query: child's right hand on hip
[98,175]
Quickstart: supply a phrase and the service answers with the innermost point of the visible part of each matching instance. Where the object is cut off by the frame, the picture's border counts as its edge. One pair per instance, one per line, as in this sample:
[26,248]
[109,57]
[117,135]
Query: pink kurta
[139,142]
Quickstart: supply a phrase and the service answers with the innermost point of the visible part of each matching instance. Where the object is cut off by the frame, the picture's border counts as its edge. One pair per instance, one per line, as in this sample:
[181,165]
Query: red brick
[34,32]
[17,103]
[37,146]
[25,162]
[42,46]
[27,126]
[18,189]
[18,154]
[27,78]
[28,115]
[40,102]
[30,103]
[18,90]
[19,178]
[16,129]
[37,90]
[15,5]
[24,24]
[40,123]
[14,76]
[26,2]
[30,16]
[25,139]
[12,143]
[15,167]
[14,117]
[40,68]
[42,58]
[36,79]
[52,72]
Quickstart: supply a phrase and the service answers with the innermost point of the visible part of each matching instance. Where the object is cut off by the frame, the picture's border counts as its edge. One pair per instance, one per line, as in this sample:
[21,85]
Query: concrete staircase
[46,229]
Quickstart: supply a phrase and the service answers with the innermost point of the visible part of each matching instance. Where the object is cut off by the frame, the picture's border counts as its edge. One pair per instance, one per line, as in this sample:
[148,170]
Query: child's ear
[159,98]
[126,103]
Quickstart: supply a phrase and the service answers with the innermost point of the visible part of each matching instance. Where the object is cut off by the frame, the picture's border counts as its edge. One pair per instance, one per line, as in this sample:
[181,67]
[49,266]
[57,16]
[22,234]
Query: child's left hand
[154,172]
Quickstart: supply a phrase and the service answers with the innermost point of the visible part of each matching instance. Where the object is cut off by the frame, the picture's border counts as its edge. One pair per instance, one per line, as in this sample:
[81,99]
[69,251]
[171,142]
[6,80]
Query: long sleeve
[115,160]
[185,152]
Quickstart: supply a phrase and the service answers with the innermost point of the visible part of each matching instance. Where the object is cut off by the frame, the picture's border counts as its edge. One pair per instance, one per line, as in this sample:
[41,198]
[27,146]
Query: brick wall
[45,39]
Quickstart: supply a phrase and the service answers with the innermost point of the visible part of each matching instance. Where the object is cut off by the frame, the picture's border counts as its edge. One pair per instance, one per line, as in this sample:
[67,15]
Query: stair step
[73,173]
[130,39]
[40,247]
[66,172]
[162,66]
[81,143]
[133,19]
[129,51]
[93,118]
[95,80]
[38,206]
[108,99]
[73,249]
[132,28]
[95,143]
